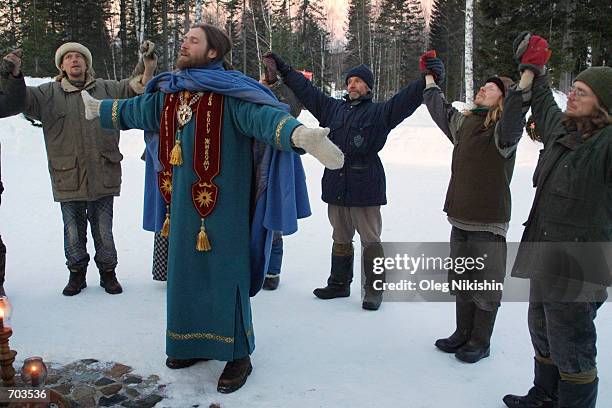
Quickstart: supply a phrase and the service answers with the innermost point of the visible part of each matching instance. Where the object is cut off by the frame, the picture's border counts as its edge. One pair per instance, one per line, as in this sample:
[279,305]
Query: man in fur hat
[84,159]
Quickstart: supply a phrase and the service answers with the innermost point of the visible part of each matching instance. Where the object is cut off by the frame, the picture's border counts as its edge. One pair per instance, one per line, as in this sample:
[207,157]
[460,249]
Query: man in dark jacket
[570,220]
[11,104]
[355,192]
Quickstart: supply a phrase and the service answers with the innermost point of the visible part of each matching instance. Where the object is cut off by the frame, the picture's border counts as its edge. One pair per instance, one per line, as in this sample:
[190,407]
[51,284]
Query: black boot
[271,282]
[341,276]
[479,344]
[578,395]
[464,315]
[176,363]
[543,394]
[76,282]
[108,280]
[234,375]
[372,284]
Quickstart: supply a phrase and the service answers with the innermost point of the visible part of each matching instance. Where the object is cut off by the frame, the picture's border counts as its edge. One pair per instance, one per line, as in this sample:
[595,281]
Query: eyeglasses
[579,93]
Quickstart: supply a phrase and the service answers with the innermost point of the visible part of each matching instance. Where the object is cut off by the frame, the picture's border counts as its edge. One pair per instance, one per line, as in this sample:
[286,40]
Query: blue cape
[281,196]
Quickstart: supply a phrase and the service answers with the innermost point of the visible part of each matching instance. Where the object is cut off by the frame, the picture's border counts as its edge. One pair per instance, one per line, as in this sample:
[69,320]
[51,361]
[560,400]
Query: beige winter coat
[84,159]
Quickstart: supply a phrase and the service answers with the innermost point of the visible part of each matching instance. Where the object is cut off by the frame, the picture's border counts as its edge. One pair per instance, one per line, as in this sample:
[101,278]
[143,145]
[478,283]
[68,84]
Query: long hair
[219,41]
[494,114]
[587,125]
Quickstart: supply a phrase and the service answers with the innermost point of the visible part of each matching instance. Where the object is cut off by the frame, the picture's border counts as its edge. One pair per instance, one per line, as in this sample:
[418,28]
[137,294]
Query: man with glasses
[572,205]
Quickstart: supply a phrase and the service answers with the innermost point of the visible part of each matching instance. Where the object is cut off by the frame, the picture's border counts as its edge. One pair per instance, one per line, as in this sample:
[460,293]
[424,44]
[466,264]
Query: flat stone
[52,379]
[132,393]
[110,401]
[111,389]
[148,402]
[132,379]
[214,405]
[86,402]
[63,389]
[88,361]
[103,381]
[119,370]
[153,378]
[82,392]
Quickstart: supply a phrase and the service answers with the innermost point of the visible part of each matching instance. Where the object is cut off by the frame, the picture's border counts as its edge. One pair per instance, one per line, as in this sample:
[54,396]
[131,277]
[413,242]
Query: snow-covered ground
[309,353]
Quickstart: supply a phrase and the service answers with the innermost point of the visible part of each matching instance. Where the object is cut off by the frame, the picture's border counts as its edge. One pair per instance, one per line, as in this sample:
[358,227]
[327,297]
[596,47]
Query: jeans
[99,213]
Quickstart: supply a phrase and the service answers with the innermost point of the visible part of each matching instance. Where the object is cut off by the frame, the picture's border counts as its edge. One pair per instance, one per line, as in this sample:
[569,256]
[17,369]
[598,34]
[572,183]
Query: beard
[193,61]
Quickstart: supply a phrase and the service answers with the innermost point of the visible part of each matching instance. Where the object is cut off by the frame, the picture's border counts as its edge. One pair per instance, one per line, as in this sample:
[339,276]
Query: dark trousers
[99,213]
[475,244]
[276,254]
[563,332]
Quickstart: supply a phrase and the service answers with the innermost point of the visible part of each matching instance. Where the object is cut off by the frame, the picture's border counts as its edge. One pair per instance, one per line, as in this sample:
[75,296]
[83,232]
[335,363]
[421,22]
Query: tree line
[387,35]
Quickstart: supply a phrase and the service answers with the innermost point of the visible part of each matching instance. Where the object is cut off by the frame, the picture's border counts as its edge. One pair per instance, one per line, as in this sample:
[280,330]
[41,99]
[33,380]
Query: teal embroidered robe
[208,305]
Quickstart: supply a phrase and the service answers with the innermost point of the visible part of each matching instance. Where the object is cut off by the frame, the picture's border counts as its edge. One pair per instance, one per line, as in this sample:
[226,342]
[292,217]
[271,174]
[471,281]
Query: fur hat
[362,71]
[72,47]
[599,79]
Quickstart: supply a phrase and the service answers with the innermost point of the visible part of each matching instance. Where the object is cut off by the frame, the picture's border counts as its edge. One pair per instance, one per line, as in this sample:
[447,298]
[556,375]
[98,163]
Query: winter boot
[372,296]
[76,282]
[479,344]
[543,394]
[176,363]
[108,280]
[464,315]
[234,375]
[271,282]
[577,395]
[341,276]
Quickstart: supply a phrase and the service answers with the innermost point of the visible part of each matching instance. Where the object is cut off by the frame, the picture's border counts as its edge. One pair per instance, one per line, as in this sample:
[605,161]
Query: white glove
[92,105]
[316,142]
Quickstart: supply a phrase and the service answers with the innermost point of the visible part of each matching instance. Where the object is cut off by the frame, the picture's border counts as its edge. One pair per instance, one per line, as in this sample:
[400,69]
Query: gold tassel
[165,231]
[203,243]
[176,155]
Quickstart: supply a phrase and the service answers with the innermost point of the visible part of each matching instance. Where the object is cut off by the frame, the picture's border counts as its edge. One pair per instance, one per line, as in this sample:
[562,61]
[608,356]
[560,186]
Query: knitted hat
[72,47]
[599,79]
[361,71]
[503,83]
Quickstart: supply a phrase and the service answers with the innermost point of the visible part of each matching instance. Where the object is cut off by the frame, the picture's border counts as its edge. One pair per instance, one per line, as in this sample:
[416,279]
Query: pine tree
[358,33]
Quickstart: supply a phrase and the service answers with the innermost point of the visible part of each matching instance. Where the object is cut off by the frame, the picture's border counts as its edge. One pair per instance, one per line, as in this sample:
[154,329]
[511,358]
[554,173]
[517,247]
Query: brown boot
[108,280]
[234,375]
[176,363]
[76,282]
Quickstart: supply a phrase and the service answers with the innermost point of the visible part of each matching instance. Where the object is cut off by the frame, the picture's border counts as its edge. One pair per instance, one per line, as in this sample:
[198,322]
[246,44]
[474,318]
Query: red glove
[537,52]
[423,59]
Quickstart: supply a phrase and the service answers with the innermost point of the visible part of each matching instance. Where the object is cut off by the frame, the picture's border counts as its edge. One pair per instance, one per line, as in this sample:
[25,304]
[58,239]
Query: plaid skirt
[160,258]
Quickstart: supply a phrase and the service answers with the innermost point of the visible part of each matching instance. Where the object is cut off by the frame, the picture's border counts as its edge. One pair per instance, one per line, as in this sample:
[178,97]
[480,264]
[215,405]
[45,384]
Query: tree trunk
[469,63]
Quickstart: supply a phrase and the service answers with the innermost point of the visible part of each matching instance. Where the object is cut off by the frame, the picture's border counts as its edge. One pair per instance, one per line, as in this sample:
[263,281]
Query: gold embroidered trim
[114,111]
[204,336]
[279,128]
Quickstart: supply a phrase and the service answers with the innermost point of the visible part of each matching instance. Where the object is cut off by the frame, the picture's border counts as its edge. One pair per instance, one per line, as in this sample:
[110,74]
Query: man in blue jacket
[355,192]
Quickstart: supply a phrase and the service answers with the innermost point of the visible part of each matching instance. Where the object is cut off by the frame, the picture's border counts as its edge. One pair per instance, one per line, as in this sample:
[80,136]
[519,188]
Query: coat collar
[69,88]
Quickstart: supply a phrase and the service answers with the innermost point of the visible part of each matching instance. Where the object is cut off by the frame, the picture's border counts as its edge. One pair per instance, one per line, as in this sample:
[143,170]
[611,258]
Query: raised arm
[532,53]
[403,103]
[319,104]
[142,74]
[509,129]
[440,110]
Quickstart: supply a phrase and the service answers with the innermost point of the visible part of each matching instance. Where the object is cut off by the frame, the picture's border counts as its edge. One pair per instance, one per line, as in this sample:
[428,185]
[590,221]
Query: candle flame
[33,369]
[1,312]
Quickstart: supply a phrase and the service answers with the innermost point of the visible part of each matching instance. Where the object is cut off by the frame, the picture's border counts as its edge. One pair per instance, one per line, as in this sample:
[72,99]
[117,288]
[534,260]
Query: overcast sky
[337,15]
